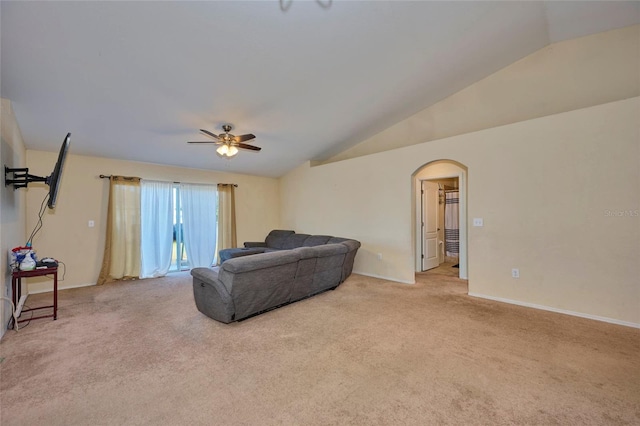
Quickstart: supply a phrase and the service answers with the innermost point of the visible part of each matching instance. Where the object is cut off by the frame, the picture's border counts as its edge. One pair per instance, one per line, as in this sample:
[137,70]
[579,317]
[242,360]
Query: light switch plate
[477,221]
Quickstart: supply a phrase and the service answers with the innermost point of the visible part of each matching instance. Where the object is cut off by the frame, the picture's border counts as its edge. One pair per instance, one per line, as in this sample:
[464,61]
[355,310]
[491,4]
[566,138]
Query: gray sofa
[287,267]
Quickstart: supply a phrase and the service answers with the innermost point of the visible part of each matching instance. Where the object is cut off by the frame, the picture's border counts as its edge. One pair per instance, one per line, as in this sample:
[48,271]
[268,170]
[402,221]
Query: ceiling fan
[229,143]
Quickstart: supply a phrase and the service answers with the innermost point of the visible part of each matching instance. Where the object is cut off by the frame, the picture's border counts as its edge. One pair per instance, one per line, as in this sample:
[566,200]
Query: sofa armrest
[205,274]
[252,244]
[211,296]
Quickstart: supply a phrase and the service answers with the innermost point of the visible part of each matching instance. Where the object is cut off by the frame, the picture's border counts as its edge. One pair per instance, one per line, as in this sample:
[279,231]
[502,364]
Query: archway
[440,169]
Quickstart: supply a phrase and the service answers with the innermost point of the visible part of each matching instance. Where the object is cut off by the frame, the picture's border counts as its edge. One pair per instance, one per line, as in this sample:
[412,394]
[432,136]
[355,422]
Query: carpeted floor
[371,352]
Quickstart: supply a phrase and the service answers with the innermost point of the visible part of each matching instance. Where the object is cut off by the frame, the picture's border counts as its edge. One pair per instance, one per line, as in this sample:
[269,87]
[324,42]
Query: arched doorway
[440,170]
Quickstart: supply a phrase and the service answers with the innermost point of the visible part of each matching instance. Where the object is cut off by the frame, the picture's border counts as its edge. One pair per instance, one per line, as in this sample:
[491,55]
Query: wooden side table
[16,285]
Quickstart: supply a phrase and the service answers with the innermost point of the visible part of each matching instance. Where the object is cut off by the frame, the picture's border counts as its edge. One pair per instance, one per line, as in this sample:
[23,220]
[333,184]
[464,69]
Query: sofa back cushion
[351,245]
[277,238]
[328,272]
[259,261]
[334,240]
[304,274]
[316,240]
[295,241]
[259,282]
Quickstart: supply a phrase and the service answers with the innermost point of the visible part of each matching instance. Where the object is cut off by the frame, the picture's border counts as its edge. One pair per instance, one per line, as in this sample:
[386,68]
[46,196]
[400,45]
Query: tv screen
[54,179]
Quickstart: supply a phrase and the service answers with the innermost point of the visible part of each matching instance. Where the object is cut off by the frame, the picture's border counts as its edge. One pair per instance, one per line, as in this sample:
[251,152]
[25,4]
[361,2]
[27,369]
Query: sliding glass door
[178,227]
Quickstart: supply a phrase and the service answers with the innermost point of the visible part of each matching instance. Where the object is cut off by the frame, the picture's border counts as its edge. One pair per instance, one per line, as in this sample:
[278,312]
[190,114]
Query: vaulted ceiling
[136,80]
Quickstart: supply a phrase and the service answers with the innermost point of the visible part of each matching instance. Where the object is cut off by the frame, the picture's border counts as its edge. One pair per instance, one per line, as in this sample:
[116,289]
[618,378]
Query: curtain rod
[232,184]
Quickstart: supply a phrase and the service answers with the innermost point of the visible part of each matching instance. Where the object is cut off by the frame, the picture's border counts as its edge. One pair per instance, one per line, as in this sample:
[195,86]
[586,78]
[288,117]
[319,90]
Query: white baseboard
[62,288]
[366,274]
[556,310]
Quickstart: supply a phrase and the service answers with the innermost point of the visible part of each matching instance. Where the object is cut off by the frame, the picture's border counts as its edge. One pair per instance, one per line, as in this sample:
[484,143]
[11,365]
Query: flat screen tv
[53,180]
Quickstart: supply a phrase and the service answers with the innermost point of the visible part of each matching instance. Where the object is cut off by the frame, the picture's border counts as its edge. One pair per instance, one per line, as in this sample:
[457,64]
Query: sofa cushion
[316,240]
[329,250]
[253,244]
[295,241]
[305,252]
[258,290]
[334,240]
[259,261]
[277,238]
[351,244]
[303,283]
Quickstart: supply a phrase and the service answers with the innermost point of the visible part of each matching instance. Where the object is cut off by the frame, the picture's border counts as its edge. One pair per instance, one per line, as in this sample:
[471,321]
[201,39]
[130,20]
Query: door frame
[441,169]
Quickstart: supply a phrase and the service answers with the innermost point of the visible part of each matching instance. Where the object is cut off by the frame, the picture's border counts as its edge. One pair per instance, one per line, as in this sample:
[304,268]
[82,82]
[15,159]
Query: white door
[429,225]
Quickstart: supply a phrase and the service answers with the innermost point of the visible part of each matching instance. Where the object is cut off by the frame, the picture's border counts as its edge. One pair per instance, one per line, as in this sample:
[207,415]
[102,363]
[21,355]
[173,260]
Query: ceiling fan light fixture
[227,151]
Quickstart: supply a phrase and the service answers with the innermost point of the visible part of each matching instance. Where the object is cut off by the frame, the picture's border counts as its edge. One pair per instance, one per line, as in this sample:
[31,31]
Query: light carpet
[372,352]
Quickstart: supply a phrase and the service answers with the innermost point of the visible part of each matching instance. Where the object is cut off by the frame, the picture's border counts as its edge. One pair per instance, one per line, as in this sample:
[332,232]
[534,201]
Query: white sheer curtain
[199,207]
[156,233]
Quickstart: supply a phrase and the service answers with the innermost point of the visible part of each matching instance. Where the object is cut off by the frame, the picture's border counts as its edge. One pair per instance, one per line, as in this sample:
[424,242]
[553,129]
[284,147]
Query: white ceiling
[136,80]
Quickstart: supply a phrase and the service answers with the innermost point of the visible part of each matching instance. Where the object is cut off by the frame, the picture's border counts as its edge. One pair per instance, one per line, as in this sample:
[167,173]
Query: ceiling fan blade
[213,135]
[244,138]
[245,146]
[215,142]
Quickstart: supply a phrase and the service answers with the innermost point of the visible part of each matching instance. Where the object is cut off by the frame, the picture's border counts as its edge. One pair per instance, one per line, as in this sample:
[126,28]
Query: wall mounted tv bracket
[21,177]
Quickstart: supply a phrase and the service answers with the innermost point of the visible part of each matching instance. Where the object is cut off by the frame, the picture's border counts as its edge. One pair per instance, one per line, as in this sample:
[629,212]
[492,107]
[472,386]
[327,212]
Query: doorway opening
[441,218]
[440,223]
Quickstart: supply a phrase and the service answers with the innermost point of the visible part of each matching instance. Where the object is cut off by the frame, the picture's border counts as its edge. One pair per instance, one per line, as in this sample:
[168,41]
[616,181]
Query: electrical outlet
[515,273]
[379,256]
[91,224]
[478,221]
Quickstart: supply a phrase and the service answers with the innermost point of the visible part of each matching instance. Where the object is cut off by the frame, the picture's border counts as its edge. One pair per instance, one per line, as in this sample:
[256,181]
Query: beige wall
[83,196]
[12,203]
[564,76]
[549,190]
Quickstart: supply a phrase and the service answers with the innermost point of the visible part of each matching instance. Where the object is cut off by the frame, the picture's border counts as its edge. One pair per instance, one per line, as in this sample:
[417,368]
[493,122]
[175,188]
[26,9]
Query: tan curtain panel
[226,217]
[122,244]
